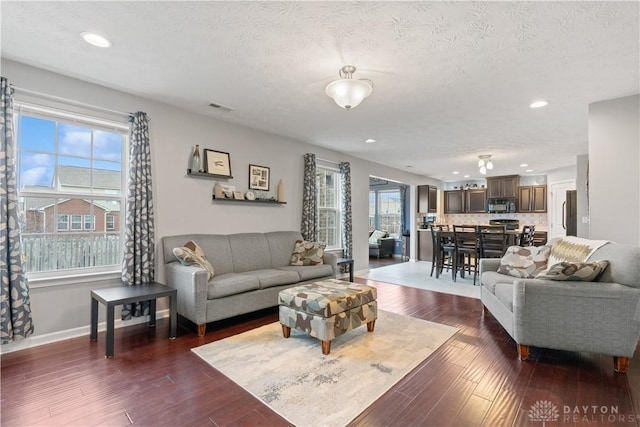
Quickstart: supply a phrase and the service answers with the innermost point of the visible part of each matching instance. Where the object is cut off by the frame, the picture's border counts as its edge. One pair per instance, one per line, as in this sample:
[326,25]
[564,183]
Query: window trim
[53,111]
[337,209]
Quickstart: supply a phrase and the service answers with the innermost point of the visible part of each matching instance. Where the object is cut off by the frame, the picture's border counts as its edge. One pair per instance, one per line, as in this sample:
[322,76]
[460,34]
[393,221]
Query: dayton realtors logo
[545,411]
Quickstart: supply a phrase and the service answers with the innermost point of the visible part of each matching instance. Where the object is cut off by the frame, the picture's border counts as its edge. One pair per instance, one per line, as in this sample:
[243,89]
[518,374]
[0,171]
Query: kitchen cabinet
[425,245]
[427,199]
[502,187]
[532,199]
[465,201]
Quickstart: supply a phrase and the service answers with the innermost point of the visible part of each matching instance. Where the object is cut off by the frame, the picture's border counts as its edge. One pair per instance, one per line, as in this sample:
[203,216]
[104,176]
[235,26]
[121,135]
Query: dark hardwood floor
[474,379]
[384,261]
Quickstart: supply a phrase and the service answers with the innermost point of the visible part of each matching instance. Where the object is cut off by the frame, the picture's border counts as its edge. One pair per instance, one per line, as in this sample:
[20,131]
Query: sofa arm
[595,317]
[488,264]
[386,245]
[331,259]
[191,283]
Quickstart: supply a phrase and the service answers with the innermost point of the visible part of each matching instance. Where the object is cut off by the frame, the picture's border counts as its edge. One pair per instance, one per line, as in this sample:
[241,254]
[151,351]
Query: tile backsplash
[537,219]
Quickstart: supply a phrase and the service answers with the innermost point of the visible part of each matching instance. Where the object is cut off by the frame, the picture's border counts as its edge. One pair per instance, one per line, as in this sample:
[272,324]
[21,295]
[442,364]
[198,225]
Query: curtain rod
[69,101]
[328,161]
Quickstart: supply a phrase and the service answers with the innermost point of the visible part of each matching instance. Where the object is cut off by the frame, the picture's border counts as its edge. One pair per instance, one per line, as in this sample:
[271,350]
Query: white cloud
[77,143]
[36,176]
[37,159]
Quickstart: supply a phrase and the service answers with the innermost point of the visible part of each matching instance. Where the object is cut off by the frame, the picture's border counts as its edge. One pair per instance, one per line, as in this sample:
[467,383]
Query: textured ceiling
[452,80]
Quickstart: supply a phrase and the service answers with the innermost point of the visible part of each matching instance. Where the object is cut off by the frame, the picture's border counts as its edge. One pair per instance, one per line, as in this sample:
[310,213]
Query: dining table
[513,235]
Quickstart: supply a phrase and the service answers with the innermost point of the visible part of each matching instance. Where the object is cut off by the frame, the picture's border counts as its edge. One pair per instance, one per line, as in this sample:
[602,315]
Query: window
[372,209]
[111,222]
[389,211]
[329,215]
[70,168]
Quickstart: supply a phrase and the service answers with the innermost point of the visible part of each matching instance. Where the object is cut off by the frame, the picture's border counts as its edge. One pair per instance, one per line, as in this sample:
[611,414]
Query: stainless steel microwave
[501,206]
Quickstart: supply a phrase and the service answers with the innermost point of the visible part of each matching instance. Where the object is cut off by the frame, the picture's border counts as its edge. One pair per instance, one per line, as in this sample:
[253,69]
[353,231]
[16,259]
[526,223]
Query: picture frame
[259,177]
[217,163]
[238,195]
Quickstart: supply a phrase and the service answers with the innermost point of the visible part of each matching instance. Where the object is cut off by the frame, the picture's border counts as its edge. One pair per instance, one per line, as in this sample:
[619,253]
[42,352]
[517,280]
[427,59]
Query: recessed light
[524,165]
[95,39]
[370,141]
[466,176]
[409,166]
[529,170]
[538,104]
[456,172]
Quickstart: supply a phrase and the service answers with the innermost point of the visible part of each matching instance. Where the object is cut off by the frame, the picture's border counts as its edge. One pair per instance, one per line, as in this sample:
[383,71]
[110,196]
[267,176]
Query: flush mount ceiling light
[538,104]
[347,92]
[95,39]
[370,141]
[485,163]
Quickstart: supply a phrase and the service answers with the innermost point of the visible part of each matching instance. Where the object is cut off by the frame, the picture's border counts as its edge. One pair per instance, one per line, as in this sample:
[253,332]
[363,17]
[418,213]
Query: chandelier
[347,92]
[485,163]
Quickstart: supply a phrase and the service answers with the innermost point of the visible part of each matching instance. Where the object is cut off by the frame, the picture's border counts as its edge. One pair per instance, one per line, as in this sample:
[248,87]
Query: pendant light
[348,92]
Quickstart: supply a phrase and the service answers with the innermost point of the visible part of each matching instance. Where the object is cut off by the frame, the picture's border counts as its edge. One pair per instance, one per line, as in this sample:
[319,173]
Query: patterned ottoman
[327,309]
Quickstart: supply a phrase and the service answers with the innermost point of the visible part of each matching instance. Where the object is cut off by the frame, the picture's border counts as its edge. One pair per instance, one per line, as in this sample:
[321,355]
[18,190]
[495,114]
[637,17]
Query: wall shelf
[263,202]
[207,175]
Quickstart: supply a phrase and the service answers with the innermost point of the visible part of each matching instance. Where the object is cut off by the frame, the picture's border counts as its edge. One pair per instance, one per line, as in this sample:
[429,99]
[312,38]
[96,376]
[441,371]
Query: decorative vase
[217,191]
[280,191]
[196,164]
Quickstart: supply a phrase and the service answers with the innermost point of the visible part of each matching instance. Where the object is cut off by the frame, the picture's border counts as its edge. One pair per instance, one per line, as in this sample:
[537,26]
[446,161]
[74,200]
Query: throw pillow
[192,254]
[307,253]
[573,249]
[377,234]
[575,271]
[524,262]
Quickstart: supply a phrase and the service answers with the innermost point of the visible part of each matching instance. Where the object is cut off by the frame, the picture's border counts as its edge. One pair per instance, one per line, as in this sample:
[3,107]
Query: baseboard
[52,337]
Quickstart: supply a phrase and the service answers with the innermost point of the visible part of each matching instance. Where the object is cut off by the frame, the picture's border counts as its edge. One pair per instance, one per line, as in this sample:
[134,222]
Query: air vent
[221,107]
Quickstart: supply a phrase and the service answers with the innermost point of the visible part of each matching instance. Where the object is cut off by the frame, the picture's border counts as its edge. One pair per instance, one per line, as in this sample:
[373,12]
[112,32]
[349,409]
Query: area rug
[297,381]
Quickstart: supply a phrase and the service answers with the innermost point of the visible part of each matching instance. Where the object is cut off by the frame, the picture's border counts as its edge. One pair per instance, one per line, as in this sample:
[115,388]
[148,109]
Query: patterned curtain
[345,182]
[309,226]
[403,201]
[15,305]
[139,248]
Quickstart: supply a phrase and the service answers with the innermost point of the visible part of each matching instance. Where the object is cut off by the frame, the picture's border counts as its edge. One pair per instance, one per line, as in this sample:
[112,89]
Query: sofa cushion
[273,277]
[624,264]
[250,251]
[280,244]
[490,279]
[524,262]
[504,294]
[309,272]
[307,253]
[231,284]
[377,234]
[573,249]
[575,271]
[191,254]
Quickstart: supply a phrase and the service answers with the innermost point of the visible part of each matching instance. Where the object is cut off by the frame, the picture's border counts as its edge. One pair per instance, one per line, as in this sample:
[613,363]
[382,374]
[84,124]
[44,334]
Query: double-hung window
[329,203]
[385,211]
[71,175]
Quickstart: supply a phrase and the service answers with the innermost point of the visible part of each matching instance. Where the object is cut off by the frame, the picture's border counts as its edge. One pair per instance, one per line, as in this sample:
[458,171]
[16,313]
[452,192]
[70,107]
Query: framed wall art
[218,163]
[259,177]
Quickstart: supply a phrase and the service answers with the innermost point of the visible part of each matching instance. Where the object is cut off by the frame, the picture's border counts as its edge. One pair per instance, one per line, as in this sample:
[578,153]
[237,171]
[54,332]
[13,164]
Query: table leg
[94,319]
[152,313]
[110,334]
[173,316]
[351,271]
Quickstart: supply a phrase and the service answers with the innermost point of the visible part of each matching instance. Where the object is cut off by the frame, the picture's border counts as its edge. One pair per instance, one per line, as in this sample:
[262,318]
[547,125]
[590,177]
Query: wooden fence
[60,252]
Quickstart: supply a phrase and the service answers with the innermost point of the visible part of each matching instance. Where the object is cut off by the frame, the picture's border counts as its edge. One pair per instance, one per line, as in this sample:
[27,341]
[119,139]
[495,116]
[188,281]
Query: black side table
[349,262]
[111,297]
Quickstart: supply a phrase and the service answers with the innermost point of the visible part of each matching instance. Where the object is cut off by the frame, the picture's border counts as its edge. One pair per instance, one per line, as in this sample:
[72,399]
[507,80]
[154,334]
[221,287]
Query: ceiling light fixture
[456,172]
[538,104]
[485,163]
[95,39]
[347,92]
[370,141]
[524,165]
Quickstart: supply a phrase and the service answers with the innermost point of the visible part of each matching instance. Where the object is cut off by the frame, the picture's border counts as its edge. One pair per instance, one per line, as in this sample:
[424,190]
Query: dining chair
[443,250]
[494,241]
[526,236]
[467,250]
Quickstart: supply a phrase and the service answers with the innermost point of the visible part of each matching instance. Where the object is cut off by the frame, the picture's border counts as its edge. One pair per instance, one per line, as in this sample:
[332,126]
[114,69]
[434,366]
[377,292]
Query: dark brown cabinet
[427,199]
[465,201]
[532,199]
[501,187]
[476,201]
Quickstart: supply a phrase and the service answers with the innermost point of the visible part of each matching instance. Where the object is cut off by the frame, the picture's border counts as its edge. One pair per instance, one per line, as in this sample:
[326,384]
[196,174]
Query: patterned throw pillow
[573,249]
[575,271]
[524,262]
[377,234]
[307,253]
[192,254]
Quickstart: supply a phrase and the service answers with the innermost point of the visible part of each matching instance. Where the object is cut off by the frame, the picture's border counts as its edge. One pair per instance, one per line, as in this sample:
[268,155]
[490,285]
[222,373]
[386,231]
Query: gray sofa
[597,317]
[250,269]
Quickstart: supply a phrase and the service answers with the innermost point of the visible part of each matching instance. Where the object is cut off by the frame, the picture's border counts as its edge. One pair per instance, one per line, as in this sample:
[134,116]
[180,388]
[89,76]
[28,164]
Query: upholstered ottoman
[327,309]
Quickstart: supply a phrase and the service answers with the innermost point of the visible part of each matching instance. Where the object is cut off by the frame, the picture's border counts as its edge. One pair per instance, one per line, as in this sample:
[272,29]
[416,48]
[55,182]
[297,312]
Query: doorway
[558,198]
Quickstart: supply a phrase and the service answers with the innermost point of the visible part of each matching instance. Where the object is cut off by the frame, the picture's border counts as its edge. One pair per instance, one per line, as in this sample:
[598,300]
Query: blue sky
[38,156]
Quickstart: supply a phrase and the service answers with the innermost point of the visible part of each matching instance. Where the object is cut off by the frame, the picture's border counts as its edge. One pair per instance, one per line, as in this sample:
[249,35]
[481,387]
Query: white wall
[183,204]
[582,229]
[614,170]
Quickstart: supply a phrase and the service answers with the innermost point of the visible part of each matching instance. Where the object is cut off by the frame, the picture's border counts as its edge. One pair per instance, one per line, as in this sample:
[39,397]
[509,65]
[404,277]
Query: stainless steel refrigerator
[571,213]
